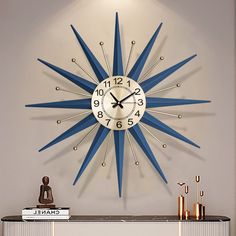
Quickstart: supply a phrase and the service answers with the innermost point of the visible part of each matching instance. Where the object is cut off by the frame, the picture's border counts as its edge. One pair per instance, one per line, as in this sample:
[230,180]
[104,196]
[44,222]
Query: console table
[91,225]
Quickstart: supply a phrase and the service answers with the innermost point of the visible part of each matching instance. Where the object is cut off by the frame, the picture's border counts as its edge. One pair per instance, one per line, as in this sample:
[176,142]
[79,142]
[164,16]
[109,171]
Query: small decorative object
[119,101]
[187,212]
[197,206]
[203,212]
[45,196]
[33,213]
[197,211]
[181,202]
[197,179]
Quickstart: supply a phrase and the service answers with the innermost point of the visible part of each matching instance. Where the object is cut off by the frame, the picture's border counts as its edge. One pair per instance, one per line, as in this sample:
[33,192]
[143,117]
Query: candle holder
[181,211]
[187,212]
[203,209]
[197,207]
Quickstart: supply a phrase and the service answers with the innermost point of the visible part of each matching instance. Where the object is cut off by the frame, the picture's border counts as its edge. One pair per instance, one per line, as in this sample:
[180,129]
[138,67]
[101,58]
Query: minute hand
[115,105]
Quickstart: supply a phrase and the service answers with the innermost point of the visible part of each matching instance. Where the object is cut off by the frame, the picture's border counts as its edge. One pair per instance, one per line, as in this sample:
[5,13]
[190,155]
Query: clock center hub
[118,102]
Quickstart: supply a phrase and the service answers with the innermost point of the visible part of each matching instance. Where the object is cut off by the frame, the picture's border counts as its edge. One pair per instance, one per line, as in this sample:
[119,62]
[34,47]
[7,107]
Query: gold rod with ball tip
[72,117]
[178,85]
[105,58]
[150,69]
[179,116]
[75,148]
[90,76]
[129,57]
[106,150]
[136,162]
[163,144]
[67,91]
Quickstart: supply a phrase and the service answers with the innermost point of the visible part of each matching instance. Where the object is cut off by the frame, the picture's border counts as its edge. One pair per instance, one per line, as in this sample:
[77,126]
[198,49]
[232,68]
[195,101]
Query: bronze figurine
[45,196]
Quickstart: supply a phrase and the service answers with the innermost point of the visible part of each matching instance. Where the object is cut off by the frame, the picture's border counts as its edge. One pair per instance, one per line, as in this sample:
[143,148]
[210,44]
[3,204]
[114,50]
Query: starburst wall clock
[119,103]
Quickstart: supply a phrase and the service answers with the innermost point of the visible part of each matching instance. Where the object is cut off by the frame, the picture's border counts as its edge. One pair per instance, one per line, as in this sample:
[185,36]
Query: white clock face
[118,103]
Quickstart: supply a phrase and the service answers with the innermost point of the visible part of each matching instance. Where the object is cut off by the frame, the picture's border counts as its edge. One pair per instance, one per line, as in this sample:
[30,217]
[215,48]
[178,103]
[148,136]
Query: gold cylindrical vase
[197,209]
[181,207]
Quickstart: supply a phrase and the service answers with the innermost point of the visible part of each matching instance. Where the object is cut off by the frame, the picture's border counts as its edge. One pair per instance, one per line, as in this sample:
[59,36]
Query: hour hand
[117,101]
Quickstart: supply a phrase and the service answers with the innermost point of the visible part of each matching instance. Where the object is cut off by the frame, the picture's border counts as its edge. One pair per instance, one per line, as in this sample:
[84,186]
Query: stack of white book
[33,213]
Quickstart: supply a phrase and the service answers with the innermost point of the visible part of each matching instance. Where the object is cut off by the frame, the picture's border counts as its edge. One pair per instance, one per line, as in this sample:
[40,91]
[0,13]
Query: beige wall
[32,29]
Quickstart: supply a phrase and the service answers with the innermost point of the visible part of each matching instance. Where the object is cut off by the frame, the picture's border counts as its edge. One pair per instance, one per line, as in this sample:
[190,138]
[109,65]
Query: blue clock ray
[140,139]
[139,64]
[97,141]
[156,79]
[81,125]
[119,138]
[71,104]
[165,102]
[157,124]
[117,60]
[97,68]
[82,83]
[119,135]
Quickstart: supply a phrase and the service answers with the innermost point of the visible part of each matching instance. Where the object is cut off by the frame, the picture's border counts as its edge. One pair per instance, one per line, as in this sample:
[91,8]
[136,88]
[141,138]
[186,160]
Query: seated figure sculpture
[45,196]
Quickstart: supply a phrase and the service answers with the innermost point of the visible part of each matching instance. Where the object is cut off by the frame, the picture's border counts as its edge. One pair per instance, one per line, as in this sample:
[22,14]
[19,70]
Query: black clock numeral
[130,121]
[108,121]
[100,114]
[119,124]
[128,82]
[140,102]
[99,92]
[137,113]
[107,84]
[96,103]
[137,91]
[118,80]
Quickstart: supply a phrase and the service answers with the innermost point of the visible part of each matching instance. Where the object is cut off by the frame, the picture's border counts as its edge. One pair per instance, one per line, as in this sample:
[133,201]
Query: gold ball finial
[133,42]
[57,88]
[180,116]
[58,121]
[75,148]
[136,163]
[164,145]
[101,43]
[73,60]
[103,164]
[162,58]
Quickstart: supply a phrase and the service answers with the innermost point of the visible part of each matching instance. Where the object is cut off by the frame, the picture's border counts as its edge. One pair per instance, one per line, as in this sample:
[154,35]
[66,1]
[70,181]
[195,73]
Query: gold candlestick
[197,206]
[198,211]
[203,209]
[197,179]
[181,210]
[187,212]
